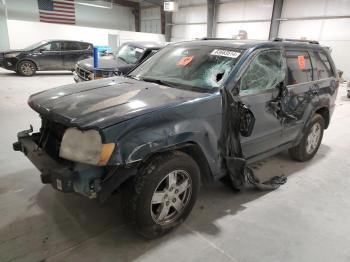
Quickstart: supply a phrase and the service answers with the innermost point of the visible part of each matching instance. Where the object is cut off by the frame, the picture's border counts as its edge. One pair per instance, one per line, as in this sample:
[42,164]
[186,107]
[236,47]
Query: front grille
[83,73]
[51,137]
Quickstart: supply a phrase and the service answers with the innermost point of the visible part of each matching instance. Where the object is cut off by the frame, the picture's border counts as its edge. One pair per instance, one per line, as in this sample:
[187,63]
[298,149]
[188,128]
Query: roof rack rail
[215,38]
[277,39]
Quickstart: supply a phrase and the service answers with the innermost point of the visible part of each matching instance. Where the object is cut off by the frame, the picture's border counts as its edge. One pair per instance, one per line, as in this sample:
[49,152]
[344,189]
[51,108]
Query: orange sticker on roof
[301,62]
[185,60]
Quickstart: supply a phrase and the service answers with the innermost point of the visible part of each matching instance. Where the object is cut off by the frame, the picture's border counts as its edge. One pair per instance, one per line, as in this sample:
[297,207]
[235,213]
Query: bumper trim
[60,176]
[67,176]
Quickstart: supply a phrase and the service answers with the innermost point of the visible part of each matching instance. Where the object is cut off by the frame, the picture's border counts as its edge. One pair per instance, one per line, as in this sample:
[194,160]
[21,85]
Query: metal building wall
[327,21]
[190,21]
[151,20]
[253,16]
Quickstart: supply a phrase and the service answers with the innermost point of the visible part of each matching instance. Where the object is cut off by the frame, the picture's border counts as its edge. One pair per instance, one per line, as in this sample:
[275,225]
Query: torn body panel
[234,119]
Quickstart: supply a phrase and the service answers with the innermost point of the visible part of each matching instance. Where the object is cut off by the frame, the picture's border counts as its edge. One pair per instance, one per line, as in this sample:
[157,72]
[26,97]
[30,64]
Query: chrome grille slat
[83,73]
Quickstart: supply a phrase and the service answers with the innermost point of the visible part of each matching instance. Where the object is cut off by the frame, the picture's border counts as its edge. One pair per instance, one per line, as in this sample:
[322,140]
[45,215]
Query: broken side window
[266,71]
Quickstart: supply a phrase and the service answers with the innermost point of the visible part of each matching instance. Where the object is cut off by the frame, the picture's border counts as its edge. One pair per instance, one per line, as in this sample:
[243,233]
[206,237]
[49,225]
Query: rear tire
[311,140]
[26,68]
[162,195]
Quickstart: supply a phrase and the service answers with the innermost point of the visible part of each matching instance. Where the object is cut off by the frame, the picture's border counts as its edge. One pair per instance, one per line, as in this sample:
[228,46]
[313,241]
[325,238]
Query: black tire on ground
[155,183]
[26,68]
[310,142]
[348,95]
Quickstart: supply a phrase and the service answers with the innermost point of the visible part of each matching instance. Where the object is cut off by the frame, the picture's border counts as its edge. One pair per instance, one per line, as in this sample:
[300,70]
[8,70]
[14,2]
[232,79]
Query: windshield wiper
[133,77]
[158,81]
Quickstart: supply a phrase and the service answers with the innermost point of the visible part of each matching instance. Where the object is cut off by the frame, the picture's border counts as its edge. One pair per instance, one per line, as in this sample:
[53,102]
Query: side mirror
[247,121]
[42,50]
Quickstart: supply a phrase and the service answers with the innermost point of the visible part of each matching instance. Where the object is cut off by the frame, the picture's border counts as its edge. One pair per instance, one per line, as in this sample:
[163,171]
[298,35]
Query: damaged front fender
[195,122]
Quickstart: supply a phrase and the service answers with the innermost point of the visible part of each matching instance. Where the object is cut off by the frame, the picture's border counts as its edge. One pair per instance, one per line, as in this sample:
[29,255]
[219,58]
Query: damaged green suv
[194,112]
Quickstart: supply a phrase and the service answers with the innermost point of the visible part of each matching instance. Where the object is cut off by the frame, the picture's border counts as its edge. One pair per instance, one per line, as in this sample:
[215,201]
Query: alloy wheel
[313,138]
[171,197]
[27,68]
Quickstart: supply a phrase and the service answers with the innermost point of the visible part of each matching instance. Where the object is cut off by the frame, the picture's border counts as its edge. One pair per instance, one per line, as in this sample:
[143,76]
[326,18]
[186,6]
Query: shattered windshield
[130,54]
[198,66]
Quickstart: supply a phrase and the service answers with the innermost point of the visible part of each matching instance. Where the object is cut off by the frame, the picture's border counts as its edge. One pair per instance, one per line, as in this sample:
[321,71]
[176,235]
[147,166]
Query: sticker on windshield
[226,53]
[184,61]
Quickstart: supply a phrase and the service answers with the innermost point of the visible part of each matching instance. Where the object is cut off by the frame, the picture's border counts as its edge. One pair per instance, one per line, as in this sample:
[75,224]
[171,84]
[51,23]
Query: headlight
[85,147]
[11,55]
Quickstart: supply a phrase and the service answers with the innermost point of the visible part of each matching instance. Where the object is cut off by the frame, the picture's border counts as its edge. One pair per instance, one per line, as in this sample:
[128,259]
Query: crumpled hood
[107,63]
[101,103]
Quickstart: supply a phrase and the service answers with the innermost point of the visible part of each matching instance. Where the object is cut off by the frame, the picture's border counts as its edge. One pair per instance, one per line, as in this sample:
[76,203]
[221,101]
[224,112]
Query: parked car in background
[191,114]
[46,55]
[128,56]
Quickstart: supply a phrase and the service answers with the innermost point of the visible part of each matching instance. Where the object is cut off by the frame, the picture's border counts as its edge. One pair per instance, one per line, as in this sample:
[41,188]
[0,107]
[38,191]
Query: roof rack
[277,39]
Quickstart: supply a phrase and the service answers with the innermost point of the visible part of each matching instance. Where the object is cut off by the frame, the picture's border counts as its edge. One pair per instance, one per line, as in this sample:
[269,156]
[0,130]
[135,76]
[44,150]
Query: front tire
[26,68]
[311,140]
[162,195]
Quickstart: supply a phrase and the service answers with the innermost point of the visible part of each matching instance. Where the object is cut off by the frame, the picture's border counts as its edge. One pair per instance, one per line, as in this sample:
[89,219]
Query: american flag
[57,11]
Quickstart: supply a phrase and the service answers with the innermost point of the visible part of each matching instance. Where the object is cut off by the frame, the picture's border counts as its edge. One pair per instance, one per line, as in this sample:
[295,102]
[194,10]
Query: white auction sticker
[226,53]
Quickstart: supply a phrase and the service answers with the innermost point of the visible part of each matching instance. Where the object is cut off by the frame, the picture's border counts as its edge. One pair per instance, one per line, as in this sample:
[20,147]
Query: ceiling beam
[275,18]
[126,3]
[155,2]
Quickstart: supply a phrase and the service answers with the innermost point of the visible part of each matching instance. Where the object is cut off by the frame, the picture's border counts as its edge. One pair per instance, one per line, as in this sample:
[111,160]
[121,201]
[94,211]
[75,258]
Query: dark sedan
[46,55]
[129,55]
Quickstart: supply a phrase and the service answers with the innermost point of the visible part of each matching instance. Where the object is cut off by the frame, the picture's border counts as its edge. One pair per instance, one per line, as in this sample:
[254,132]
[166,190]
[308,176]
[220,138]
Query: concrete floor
[307,219]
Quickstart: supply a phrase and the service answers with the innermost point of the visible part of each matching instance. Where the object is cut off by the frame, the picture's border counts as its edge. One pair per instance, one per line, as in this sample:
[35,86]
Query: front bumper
[8,63]
[66,176]
[63,175]
[77,78]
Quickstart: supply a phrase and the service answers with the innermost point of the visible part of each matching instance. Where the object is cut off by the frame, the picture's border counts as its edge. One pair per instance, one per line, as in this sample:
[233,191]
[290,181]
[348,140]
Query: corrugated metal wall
[253,16]
[320,20]
[151,20]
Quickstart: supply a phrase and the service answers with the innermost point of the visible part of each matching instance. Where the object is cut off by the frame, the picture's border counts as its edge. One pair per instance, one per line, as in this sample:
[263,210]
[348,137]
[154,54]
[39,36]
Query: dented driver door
[259,86]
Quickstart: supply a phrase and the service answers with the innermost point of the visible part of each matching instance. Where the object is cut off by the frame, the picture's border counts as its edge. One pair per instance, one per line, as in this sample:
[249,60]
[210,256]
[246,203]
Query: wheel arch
[27,59]
[195,152]
[324,112]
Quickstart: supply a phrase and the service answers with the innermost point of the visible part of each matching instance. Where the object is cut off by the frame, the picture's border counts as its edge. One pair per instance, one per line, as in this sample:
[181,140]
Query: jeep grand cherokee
[194,112]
